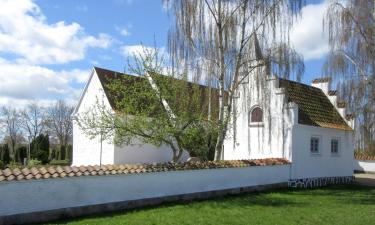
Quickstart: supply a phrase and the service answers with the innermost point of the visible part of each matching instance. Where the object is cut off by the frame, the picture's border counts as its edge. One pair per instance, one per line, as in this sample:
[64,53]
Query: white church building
[271,118]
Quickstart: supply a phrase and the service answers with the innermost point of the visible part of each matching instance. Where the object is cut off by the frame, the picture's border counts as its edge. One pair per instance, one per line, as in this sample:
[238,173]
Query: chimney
[350,118]
[332,96]
[341,107]
[322,83]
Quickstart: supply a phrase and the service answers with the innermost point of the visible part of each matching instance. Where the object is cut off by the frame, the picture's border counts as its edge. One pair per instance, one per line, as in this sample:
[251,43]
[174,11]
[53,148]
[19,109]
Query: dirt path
[365,179]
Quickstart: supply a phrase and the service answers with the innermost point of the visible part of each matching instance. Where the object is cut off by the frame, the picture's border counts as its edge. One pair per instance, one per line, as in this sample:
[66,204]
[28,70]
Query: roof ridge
[321,80]
[300,83]
[135,75]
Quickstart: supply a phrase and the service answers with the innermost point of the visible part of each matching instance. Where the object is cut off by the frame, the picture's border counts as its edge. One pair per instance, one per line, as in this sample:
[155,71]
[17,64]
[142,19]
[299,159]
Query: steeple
[257,49]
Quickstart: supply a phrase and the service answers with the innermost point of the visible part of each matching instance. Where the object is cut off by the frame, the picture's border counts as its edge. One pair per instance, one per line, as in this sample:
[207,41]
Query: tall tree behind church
[215,39]
[351,28]
[60,123]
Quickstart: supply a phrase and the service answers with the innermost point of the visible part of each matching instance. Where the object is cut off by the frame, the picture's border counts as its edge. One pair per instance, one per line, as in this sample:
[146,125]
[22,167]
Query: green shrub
[69,155]
[13,165]
[60,163]
[40,148]
[62,152]
[4,154]
[34,162]
[1,165]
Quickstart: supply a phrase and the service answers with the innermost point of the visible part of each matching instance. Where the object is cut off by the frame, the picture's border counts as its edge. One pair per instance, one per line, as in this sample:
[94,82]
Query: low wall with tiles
[367,166]
[40,200]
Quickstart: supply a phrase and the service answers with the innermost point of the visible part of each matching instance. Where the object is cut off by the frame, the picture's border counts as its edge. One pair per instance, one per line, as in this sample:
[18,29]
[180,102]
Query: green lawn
[333,205]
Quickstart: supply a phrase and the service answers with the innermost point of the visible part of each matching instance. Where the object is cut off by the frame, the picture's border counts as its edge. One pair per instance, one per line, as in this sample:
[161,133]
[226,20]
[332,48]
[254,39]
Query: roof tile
[7,172]
[321,80]
[51,170]
[11,177]
[25,171]
[43,171]
[34,171]
[20,176]
[29,176]
[16,171]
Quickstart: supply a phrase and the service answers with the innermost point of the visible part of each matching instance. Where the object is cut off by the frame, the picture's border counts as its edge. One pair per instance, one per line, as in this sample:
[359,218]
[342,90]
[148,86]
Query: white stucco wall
[87,151]
[144,153]
[272,138]
[364,165]
[305,164]
[41,195]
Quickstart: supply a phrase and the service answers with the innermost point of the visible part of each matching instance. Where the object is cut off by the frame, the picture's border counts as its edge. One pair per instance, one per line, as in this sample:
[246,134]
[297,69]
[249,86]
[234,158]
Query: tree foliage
[10,121]
[33,119]
[351,28]
[153,108]
[4,154]
[59,121]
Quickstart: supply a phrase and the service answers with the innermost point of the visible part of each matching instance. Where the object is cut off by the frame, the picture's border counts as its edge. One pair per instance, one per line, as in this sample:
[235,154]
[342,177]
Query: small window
[335,146]
[314,145]
[256,115]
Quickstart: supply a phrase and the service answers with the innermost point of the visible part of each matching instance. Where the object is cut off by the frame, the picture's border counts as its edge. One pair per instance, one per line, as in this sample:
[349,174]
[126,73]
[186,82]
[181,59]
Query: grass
[333,205]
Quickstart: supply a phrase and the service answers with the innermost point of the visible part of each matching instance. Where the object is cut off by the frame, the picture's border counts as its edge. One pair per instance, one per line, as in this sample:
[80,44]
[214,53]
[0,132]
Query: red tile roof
[51,172]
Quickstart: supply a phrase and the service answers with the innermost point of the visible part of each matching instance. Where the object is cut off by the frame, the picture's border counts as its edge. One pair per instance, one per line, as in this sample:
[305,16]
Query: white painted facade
[87,151]
[281,136]
[323,164]
[268,139]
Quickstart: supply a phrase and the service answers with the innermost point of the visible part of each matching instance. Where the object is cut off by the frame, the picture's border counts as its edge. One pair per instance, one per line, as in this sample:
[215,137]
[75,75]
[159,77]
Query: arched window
[256,115]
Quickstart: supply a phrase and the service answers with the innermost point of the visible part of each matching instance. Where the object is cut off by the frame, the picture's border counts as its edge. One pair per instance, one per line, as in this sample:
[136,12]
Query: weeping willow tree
[351,62]
[214,41]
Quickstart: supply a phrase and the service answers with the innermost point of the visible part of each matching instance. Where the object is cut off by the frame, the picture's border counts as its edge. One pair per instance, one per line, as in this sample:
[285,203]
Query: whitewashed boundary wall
[51,199]
[367,166]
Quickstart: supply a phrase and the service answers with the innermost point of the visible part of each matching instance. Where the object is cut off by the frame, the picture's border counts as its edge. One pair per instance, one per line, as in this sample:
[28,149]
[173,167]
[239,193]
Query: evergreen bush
[40,148]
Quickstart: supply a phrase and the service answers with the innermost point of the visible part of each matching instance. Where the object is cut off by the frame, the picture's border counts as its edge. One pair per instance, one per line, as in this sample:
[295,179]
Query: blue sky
[48,47]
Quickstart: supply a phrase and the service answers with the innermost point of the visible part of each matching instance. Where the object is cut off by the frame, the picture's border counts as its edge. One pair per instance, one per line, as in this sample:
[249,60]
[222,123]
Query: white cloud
[130,50]
[124,32]
[21,83]
[24,32]
[307,35]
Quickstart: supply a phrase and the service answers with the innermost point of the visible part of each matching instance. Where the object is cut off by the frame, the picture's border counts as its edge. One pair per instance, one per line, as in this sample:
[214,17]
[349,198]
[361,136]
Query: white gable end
[88,151]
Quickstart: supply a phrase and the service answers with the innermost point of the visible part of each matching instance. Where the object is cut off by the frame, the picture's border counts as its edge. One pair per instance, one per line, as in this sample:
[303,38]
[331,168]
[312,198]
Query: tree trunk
[221,119]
